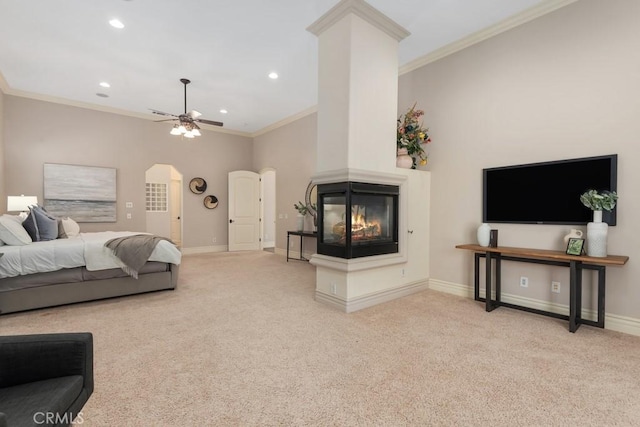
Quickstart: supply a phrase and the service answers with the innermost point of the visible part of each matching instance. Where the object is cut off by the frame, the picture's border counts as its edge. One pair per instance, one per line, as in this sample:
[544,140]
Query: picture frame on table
[575,246]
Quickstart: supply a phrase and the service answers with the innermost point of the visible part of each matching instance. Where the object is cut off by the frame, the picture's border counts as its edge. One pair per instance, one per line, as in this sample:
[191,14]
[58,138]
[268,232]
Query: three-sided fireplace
[357,219]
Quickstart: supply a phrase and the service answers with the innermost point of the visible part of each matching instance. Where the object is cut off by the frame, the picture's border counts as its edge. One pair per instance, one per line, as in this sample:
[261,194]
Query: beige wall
[565,85]
[38,132]
[3,166]
[291,151]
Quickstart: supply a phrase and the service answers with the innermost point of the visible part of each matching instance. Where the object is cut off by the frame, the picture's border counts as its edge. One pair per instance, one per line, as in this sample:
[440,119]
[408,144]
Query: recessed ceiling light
[105,84]
[102,95]
[116,23]
[223,111]
[273,75]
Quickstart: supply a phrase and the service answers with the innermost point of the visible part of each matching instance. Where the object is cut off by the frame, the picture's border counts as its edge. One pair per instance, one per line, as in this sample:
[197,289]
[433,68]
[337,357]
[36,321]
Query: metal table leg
[575,295]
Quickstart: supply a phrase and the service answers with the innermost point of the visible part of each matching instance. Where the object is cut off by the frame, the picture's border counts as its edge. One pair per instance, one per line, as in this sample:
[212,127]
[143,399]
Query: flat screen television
[549,192]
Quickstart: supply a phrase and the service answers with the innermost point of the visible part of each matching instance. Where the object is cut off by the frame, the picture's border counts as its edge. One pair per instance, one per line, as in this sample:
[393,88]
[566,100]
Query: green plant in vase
[301,208]
[597,230]
[603,201]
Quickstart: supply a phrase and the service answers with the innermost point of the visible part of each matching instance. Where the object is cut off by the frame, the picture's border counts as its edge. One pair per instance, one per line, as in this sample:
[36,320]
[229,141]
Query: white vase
[404,160]
[575,233]
[597,236]
[300,224]
[484,234]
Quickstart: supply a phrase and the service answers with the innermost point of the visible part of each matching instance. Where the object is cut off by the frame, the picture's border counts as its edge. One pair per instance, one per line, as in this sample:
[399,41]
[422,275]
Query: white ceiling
[65,48]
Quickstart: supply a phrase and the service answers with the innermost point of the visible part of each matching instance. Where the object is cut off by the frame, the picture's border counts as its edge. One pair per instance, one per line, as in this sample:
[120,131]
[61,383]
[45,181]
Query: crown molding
[286,121]
[4,86]
[363,10]
[528,15]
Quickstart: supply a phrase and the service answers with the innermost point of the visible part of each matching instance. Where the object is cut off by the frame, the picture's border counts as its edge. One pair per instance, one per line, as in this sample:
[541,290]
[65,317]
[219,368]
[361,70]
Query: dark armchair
[45,380]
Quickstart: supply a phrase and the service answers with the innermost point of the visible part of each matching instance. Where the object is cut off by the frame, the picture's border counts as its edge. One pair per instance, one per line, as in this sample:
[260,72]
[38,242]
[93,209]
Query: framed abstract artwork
[83,193]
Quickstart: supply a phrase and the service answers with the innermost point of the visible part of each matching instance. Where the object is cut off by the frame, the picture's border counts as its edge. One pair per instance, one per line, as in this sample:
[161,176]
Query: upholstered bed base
[50,295]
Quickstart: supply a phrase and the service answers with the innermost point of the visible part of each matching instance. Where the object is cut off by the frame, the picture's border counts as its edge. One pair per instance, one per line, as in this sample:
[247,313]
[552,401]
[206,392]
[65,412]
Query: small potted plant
[411,136]
[598,202]
[597,230]
[302,211]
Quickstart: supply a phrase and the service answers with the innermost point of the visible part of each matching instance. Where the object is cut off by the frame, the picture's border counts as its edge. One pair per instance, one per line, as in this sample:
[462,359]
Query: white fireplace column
[357,113]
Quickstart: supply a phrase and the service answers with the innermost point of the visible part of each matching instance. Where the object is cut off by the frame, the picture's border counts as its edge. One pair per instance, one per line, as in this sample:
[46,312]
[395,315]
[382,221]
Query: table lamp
[20,203]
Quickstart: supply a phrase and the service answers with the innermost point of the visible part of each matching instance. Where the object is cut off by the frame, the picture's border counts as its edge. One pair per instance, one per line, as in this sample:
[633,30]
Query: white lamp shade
[20,203]
[195,132]
[175,131]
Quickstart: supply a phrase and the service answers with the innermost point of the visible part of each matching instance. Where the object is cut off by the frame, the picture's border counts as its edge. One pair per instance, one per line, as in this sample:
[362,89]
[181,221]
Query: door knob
[230,221]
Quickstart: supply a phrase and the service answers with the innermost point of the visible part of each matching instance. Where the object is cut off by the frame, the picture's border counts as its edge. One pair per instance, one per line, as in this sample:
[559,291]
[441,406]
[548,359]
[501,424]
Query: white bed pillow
[12,232]
[68,228]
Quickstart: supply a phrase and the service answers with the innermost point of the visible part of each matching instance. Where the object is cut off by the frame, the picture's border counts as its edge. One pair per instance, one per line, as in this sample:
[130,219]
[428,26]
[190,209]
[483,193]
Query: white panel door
[175,207]
[244,211]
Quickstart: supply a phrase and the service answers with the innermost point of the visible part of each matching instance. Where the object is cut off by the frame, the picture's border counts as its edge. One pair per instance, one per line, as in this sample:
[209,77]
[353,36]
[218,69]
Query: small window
[156,197]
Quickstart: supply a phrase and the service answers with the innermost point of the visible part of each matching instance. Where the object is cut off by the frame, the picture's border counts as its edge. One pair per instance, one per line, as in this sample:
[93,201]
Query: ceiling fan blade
[194,114]
[162,113]
[209,122]
[165,120]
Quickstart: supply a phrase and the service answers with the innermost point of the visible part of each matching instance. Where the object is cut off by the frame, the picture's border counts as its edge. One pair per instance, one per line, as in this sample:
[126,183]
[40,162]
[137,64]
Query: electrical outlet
[524,281]
[334,289]
[402,272]
[215,240]
[128,215]
[555,287]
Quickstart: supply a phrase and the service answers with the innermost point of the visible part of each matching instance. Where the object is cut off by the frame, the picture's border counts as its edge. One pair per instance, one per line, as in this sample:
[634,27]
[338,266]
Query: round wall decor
[197,185]
[211,202]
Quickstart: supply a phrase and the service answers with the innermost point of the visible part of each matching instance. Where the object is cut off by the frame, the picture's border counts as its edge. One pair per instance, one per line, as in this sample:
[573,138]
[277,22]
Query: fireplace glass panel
[371,219]
[333,220]
[357,219]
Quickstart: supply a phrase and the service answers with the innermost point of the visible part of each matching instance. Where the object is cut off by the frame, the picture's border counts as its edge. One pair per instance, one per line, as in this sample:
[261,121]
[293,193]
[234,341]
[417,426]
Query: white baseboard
[614,322]
[370,300]
[204,249]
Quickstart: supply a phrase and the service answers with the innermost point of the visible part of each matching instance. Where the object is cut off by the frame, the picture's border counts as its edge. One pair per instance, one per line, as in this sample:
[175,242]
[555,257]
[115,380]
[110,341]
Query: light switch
[128,205]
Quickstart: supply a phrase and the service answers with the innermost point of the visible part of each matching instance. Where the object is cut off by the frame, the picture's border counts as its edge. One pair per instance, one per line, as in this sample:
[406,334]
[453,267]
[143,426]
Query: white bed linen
[85,250]
[98,257]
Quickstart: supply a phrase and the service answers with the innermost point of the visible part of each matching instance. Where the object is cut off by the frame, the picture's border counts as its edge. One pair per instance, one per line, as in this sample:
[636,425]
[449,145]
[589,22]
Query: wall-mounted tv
[549,192]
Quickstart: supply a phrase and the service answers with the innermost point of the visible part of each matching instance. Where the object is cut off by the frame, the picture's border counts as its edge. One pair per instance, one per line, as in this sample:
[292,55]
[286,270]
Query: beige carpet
[243,343]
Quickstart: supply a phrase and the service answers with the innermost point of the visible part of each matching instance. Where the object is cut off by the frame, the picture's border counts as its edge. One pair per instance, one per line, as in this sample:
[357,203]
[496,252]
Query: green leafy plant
[411,135]
[604,201]
[301,208]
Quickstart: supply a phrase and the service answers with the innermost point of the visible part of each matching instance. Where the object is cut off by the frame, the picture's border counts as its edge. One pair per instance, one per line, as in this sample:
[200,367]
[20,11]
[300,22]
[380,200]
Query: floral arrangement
[595,201]
[411,135]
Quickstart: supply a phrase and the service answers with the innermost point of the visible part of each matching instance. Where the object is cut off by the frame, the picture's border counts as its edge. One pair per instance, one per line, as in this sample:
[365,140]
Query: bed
[69,270]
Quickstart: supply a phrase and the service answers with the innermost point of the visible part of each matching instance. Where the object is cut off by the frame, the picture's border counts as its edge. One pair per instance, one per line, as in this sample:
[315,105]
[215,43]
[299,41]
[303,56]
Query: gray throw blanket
[134,251]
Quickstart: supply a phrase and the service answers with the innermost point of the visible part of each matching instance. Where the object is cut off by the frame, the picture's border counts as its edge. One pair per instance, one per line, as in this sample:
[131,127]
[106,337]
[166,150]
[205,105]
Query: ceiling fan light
[175,130]
[196,132]
[189,134]
[182,129]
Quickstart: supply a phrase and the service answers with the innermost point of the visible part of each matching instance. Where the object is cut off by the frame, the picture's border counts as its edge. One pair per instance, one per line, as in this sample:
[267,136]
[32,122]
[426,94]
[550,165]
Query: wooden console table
[548,257]
[302,235]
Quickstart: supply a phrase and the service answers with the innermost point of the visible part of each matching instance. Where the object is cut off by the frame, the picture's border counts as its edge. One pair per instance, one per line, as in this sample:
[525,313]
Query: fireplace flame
[361,229]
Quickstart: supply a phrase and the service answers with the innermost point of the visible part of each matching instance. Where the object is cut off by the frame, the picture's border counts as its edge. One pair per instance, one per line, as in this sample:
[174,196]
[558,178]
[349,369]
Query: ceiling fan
[186,123]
